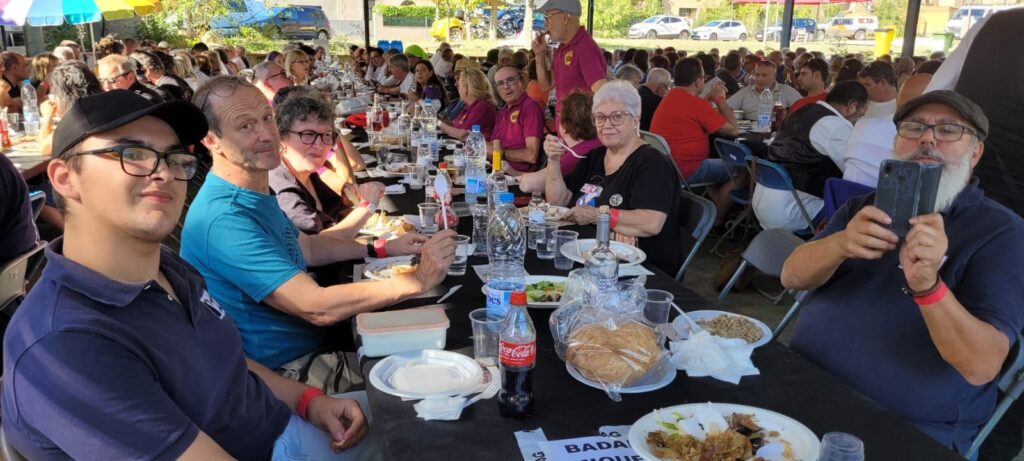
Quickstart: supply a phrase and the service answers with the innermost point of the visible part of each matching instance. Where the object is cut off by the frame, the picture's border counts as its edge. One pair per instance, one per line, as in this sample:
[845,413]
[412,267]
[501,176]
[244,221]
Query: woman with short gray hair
[638,182]
[630,73]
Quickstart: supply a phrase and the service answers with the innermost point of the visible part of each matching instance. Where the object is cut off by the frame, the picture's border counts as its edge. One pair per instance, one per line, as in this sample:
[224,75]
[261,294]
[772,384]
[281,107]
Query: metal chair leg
[732,281]
[729,230]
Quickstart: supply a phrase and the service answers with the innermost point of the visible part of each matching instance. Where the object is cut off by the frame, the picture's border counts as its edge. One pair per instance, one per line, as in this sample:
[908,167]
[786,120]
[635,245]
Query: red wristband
[935,296]
[614,214]
[308,395]
[381,246]
[718,100]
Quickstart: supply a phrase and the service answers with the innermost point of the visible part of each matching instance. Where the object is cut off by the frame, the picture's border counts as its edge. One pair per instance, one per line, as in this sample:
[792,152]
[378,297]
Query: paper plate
[661,376]
[426,373]
[804,444]
[683,327]
[378,268]
[631,254]
[531,279]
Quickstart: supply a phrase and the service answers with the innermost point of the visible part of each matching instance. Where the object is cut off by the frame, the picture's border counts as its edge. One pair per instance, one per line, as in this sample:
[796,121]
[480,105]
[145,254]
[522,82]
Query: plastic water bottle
[429,117]
[536,217]
[506,248]
[29,102]
[476,173]
[764,110]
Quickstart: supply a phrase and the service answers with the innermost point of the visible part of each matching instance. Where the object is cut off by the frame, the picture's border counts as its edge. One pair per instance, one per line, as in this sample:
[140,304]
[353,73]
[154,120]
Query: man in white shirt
[871,140]
[443,68]
[435,58]
[749,98]
[810,147]
[399,67]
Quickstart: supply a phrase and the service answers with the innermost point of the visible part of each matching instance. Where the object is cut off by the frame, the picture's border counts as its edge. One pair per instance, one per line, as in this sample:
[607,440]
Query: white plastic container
[386,333]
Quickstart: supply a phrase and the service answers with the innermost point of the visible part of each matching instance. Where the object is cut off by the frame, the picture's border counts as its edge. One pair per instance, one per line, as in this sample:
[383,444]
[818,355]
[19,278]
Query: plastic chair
[735,155]
[384,45]
[37,199]
[767,252]
[696,216]
[1011,386]
[802,297]
[658,142]
[14,276]
[774,176]
[838,191]
[397,45]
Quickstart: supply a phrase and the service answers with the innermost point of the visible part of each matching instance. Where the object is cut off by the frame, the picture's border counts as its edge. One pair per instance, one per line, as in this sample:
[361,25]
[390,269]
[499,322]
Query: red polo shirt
[576,66]
[686,121]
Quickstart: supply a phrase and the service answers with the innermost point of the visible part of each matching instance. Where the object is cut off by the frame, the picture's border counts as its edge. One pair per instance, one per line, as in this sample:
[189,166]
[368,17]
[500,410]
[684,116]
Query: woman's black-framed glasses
[617,118]
[309,137]
[142,161]
[945,132]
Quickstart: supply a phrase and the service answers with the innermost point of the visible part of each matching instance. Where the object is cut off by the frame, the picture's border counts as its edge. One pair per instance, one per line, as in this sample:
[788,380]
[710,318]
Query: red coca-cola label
[517,355]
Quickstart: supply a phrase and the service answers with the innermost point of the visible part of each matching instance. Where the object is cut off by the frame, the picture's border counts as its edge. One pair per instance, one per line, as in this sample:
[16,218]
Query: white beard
[955,175]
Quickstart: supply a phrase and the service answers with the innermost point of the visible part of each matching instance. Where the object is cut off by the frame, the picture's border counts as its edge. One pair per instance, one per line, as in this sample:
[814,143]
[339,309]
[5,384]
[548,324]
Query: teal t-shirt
[245,247]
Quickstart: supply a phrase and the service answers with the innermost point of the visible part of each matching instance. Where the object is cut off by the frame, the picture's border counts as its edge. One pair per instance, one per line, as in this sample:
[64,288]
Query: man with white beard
[921,325]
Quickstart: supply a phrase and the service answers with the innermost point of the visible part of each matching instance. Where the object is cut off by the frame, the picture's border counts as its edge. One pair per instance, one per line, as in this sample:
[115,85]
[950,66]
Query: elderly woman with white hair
[634,179]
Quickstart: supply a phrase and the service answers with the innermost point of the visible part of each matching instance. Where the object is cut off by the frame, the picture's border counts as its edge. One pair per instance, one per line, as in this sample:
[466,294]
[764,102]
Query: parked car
[720,30]
[855,27]
[661,26]
[775,32]
[297,21]
[967,16]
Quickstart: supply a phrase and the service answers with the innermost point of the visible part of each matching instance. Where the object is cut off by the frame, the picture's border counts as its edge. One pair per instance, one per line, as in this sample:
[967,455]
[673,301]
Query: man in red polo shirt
[686,121]
[578,64]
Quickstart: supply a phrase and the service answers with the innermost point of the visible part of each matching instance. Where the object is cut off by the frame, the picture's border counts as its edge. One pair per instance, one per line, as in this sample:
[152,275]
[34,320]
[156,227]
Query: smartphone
[906,189]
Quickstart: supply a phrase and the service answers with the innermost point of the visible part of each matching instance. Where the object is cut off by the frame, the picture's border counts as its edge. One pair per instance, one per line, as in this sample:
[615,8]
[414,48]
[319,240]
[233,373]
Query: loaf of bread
[620,355]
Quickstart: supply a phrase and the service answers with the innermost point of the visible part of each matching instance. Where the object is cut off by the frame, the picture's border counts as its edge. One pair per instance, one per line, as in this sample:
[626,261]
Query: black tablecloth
[566,408]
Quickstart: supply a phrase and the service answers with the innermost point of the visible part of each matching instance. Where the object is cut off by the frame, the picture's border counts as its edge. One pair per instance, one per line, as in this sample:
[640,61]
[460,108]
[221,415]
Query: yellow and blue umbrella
[57,12]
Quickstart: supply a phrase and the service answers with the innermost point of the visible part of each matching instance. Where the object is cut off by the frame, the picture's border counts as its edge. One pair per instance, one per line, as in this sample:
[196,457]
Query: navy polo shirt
[99,369]
[861,327]
[17,228]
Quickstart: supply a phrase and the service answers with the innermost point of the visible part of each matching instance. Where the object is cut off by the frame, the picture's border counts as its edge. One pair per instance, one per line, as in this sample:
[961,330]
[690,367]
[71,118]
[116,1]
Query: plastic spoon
[441,189]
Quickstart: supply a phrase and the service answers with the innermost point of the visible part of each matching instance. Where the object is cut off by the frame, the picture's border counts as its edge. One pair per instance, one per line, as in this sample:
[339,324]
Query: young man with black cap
[922,324]
[119,352]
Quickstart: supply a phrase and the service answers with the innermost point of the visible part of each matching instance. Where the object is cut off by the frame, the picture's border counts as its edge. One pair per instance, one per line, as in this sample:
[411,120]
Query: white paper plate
[682,326]
[547,217]
[397,374]
[449,144]
[805,445]
[530,279]
[662,375]
[372,269]
[635,255]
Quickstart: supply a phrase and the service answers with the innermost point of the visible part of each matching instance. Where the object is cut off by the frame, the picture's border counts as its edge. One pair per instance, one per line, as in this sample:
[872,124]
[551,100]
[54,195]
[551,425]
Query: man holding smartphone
[921,325]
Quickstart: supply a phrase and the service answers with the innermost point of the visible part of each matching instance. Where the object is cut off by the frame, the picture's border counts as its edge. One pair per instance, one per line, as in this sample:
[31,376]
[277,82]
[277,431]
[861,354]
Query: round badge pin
[615,200]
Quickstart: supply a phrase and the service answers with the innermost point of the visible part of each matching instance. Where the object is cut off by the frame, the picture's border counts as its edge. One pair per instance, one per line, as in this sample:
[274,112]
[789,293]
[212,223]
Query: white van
[967,16]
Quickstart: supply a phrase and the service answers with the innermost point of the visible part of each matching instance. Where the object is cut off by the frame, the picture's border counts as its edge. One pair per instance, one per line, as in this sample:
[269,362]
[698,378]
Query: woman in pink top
[478,106]
[576,132]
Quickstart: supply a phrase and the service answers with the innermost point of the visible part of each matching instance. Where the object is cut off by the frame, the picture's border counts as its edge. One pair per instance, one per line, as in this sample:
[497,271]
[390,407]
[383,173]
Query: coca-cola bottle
[517,355]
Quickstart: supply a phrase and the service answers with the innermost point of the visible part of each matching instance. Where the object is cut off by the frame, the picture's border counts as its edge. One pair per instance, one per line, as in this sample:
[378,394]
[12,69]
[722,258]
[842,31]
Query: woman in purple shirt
[520,124]
[478,106]
[428,85]
[576,138]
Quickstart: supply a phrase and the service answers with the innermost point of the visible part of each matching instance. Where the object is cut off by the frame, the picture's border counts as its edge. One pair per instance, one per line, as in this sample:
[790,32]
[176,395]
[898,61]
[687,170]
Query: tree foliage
[156,27]
[612,18]
[194,15]
[404,11]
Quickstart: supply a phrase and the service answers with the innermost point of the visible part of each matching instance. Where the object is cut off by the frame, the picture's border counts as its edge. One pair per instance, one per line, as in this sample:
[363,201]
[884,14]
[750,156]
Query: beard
[955,175]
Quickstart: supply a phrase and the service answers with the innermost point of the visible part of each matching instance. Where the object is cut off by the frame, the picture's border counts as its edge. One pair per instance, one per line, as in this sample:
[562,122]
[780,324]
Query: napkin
[394,189]
[705,355]
[484,272]
[635,270]
[450,408]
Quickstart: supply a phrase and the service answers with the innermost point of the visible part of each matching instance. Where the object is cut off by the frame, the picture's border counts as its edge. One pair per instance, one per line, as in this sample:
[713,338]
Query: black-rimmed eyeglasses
[945,132]
[309,137]
[616,118]
[112,80]
[142,161]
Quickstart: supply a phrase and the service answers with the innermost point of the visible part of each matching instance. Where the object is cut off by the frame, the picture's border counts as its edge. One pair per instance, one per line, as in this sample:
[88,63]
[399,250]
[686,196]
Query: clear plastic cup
[428,217]
[840,446]
[486,332]
[657,307]
[546,244]
[562,237]
[463,248]
[31,127]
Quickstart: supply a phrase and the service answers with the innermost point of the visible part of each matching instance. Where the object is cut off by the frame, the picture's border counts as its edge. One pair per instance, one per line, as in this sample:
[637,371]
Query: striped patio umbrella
[57,12]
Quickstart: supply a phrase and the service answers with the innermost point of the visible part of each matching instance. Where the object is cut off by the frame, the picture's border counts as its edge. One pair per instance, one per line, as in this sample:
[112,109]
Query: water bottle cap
[505,197]
[517,298]
[476,128]
[26,82]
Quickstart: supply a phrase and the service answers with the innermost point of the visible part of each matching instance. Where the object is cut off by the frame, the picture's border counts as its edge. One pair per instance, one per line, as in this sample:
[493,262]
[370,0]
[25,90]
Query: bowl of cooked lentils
[727,325]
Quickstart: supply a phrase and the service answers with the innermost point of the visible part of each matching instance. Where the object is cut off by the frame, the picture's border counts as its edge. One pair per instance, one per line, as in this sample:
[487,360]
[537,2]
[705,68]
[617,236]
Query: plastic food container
[386,333]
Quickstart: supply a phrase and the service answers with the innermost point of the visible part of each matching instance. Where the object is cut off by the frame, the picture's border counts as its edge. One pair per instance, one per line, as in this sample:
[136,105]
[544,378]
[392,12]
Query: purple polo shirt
[577,65]
[99,369]
[579,152]
[517,121]
[481,112]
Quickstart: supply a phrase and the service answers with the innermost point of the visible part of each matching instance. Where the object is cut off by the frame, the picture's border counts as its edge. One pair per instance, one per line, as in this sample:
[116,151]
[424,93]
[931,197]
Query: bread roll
[621,355]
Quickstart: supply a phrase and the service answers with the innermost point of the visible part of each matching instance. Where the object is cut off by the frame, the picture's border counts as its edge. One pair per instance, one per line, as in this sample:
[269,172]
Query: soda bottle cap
[506,197]
[476,128]
[442,165]
[517,298]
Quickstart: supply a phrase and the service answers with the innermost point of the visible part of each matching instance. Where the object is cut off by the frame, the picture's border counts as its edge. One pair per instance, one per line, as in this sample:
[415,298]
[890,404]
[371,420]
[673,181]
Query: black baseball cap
[968,109]
[106,111]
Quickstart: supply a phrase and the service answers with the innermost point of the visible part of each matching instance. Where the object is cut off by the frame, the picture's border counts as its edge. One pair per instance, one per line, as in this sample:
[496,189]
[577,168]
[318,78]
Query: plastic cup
[657,307]
[479,211]
[463,248]
[840,446]
[546,244]
[562,237]
[428,189]
[415,177]
[14,121]
[31,127]
[486,332]
[428,217]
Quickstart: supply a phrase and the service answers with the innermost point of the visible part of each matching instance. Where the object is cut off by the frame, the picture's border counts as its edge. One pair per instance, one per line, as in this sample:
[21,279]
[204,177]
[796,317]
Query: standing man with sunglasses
[578,65]
[119,352]
[922,324]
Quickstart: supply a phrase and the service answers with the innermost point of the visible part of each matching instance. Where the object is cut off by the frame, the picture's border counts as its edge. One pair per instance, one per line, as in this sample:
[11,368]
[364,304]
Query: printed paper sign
[590,449]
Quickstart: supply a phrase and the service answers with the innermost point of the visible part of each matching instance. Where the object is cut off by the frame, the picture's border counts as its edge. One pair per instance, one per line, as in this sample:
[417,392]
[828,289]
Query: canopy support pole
[590,17]
[787,24]
[910,29]
[366,22]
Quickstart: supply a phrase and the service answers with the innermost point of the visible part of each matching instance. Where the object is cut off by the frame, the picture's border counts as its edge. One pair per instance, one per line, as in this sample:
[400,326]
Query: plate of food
[542,291]
[731,432]
[426,373]
[450,144]
[380,225]
[551,212]
[726,325]
[628,255]
[394,170]
[387,268]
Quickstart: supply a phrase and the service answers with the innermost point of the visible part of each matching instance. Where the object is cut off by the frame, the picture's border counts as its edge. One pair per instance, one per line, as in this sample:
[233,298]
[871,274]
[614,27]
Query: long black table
[566,408]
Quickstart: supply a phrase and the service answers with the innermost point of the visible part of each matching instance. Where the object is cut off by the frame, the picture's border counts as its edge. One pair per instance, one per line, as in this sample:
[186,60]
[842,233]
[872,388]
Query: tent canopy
[798,2]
